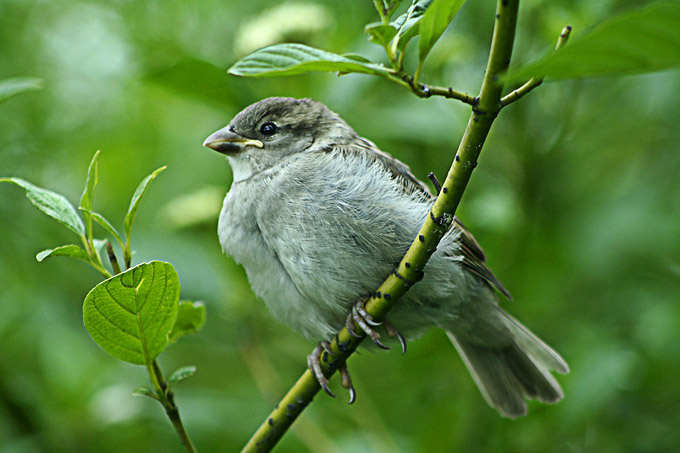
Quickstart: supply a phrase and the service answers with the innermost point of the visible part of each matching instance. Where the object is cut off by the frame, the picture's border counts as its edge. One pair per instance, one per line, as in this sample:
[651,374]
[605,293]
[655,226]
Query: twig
[165,396]
[423,90]
[434,228]
[534,82]
[435,182]
[112,258]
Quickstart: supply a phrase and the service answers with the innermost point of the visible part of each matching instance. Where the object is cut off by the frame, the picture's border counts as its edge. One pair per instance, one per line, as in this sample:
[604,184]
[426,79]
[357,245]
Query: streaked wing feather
[474,259]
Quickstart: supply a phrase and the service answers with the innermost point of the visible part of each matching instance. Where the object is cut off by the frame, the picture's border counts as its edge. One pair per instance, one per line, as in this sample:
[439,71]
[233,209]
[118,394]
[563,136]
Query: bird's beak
[226,141]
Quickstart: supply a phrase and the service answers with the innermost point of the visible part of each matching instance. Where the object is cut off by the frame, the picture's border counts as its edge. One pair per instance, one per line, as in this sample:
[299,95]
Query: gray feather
[508,376]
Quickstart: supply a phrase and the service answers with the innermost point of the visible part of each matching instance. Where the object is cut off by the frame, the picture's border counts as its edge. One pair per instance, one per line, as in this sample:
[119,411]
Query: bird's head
[265,133]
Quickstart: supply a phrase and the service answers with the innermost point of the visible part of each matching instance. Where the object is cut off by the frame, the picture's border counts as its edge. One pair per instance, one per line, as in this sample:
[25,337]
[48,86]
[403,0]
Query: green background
[575,202]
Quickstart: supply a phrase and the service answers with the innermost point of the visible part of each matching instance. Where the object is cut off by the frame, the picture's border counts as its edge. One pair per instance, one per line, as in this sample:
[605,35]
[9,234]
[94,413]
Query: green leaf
[289,59]
[104,223]
[99,244]
[408,23]
[136,199]
[51,203]
[437,17]
[380,34]
[190,319]
[386,6]
[356,57]
[181,374]
[131,314]
[73,251]
[144,391]
[87,199]
[644,40]
[11,87]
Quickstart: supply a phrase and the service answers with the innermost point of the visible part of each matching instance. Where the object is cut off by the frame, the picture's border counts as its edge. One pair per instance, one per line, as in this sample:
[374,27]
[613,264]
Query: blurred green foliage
[576,201]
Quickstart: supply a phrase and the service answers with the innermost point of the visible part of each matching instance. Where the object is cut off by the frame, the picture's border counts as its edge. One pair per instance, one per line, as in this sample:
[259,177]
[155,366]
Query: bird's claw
[346,381]
[393,332]
[360,318]
[314,364]
[360,309]
[350,325]
[327,347]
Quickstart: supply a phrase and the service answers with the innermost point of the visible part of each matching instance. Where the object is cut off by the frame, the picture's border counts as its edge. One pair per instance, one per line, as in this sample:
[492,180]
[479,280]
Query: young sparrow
[319,216]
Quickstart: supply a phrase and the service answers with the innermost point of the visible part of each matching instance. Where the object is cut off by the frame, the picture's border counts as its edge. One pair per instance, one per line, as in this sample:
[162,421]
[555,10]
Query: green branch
[534,82]
[165,396]
[423,90]
[410,270]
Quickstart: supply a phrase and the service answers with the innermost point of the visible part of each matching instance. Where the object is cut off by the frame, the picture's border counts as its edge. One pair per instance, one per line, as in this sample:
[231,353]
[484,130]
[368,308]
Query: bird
[319,216]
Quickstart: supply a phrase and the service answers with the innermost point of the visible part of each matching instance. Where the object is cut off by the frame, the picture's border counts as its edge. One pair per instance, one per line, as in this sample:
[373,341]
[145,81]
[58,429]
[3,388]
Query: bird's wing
[474,259]
[473,256]
[397,168]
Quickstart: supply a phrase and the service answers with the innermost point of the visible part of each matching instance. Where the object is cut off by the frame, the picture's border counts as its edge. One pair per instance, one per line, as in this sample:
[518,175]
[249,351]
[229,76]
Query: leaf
[644,40]
[104,223]
[136,199]
[99,244]
[380,34]
[408,23]
[87,199]
[144,391]
[131,314]
[437,17]
[356,57]
[289,59]
[71,250]
[386,6]
[11,87]
[190,319]
[51,203]
[181,374]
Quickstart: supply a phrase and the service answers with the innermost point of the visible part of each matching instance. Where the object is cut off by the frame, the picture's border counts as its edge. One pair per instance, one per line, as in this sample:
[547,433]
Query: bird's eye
[269,129]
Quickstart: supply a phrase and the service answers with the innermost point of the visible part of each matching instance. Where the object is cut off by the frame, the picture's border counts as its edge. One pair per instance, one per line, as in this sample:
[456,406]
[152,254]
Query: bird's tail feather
[507,377]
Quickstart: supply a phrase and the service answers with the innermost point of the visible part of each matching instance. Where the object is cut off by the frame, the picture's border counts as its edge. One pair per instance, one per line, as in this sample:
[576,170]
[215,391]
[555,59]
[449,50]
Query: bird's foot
[314,364]
[392,332]
[360,318]
[346,381]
